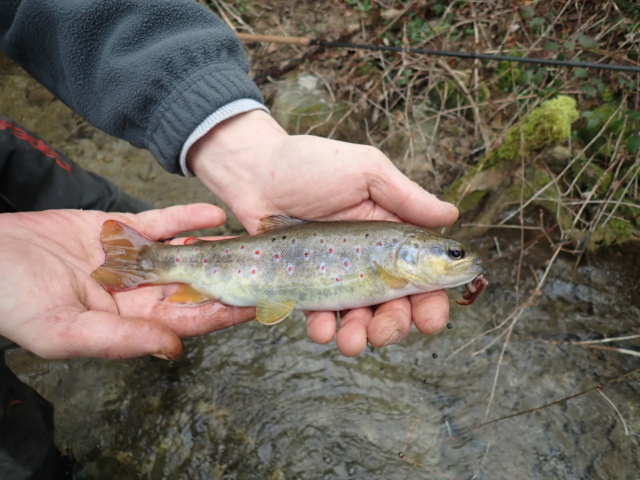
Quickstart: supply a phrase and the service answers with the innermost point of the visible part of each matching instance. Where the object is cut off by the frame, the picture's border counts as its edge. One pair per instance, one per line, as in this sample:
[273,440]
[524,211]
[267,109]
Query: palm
[356,183]
[56,309]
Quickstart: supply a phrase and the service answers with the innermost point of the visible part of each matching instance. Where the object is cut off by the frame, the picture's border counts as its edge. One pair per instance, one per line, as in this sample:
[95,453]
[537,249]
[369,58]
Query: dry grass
[435,118]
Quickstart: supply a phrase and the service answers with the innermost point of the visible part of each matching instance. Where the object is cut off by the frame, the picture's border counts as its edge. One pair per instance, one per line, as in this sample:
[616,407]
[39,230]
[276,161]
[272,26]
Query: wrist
[231,151]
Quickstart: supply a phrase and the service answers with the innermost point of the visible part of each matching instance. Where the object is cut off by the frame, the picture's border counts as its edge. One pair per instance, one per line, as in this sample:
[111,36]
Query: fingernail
[394,338]
[451,206]
[160,356]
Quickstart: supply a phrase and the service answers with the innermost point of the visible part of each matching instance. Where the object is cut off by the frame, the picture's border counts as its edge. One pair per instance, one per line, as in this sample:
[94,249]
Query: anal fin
[270,313]
[187,294]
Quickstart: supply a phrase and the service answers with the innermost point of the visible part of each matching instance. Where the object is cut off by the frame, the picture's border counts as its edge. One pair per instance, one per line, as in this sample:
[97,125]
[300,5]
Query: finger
[189,321]
[391,323]
[391,189]
[169,222]
[106,335]
[352,336]
[430,311]
[321,326]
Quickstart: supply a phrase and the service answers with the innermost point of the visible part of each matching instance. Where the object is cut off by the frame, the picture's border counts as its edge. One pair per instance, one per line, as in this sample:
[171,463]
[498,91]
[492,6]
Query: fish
[294,264]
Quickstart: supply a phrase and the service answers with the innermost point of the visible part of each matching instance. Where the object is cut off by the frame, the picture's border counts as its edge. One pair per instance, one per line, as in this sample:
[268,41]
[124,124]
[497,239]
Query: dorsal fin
[276,222]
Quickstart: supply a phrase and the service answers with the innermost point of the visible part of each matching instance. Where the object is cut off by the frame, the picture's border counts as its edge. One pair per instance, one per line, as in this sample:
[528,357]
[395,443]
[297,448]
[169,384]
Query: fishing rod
[309,42]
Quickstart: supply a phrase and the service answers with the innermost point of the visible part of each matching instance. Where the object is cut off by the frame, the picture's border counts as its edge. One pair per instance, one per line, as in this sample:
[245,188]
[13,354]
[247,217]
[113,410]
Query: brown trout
[294,264]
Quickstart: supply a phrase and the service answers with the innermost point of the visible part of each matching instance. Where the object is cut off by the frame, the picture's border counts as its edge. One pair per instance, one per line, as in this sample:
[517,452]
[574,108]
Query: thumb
[394,191]
[107,335]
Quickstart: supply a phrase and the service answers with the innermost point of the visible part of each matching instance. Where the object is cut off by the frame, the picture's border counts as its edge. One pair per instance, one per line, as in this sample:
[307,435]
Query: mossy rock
[546,125]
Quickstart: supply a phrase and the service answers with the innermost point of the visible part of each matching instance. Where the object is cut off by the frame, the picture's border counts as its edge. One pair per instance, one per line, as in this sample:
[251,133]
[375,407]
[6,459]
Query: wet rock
[301,106]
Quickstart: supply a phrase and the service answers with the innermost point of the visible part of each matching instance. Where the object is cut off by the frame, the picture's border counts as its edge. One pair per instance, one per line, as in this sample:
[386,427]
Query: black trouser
[26,433]
[34,177]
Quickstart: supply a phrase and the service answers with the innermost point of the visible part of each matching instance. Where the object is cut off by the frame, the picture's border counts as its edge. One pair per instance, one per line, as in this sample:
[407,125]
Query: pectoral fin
[391,280]
[270,313]
[187,294]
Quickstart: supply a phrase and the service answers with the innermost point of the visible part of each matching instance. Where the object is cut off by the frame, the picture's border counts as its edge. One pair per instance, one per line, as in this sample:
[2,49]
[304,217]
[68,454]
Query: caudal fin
[122,269]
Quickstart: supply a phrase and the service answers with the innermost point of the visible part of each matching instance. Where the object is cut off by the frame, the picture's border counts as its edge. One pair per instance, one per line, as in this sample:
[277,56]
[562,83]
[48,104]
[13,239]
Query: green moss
[615,232]
[472,200]
[546,125]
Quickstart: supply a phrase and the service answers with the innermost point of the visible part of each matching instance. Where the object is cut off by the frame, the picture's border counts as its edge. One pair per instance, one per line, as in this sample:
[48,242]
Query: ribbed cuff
[190,104]
[234,108]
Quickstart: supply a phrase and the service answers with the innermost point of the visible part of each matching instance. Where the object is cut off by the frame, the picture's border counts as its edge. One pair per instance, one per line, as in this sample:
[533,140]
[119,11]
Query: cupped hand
[253,166]
[51,306]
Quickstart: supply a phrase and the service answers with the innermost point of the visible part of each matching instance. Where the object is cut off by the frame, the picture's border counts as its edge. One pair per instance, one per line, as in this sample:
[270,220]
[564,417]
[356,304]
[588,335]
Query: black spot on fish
[284,237]
[434,355]
[449,325]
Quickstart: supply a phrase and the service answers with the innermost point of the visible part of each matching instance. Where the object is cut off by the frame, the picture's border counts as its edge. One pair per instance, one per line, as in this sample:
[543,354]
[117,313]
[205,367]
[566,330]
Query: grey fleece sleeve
[149,72]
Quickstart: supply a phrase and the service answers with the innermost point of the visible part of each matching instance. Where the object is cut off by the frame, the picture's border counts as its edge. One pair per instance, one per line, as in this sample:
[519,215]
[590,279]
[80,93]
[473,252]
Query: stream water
[256,402]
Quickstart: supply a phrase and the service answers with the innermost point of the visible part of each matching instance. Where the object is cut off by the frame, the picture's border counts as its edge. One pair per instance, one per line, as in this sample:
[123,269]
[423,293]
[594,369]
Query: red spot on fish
[277,256]
[344,240]
[306,254]
[196,250]
[289,268]
[257,252]
[205,260]
[215,271]
[254,271]
[358,250]
[226,251]
[178,260]
[345,263]
[239,272]
[361,276]
[323,267]
[241,247]
[379,244]
[337,279]
[331,250]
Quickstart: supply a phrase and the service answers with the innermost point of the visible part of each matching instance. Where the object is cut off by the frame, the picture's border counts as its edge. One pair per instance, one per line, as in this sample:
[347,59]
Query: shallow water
[256,402]
[265,402]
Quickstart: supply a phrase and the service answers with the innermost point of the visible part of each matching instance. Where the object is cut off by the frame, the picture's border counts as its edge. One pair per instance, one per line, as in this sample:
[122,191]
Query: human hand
[51,306]
[251,163]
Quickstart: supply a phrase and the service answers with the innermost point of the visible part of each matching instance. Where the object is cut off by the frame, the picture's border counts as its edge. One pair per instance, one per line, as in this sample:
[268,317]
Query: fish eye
[456,252]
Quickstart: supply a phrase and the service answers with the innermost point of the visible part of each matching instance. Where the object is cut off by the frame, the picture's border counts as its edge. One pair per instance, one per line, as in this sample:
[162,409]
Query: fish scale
[293,264]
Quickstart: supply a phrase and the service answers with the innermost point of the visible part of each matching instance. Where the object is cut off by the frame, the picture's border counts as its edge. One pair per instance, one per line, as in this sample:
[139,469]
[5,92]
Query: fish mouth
[474,289]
